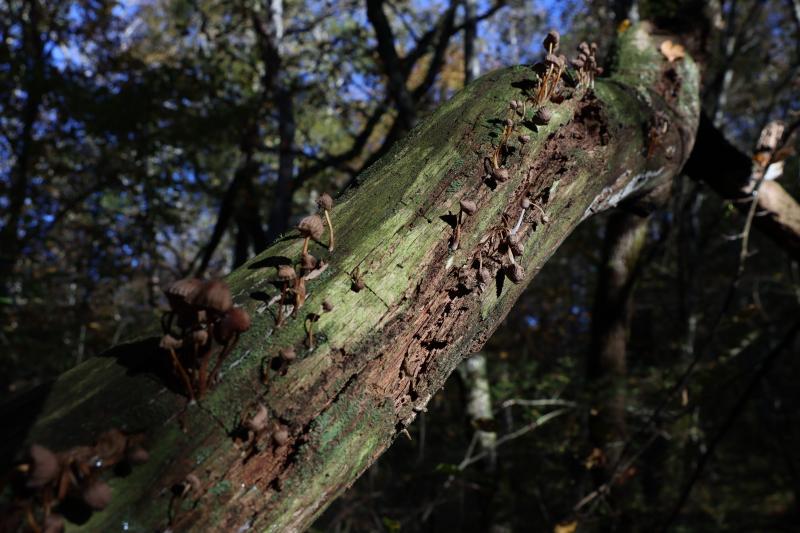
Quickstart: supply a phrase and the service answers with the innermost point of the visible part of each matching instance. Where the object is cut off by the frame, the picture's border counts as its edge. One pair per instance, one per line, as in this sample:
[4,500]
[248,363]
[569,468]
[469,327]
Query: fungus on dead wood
[205,314]
[46,483]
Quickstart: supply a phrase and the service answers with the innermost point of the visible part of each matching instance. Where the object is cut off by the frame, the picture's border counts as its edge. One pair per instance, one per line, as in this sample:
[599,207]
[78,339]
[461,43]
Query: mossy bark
[382,352]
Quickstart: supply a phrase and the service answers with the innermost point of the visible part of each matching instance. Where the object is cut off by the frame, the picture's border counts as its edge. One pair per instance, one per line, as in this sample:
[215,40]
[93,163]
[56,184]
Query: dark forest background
[142,141]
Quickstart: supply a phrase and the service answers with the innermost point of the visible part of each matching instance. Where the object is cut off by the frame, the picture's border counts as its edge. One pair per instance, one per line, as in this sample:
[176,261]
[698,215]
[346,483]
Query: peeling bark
[383,351]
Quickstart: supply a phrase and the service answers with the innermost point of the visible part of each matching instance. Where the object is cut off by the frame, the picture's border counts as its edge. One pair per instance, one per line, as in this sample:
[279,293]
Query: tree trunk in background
[271,38]
[472,66]
[475,377]
[383,351]
[606,364]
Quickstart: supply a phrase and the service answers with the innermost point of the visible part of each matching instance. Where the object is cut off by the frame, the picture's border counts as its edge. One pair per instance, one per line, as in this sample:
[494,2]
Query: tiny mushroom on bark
[286,275]
[97,495]
[258,422]
[235,322]
[180,295]
[281,436]
[515,272]
[310,227]
[309,324]
[325,203]
[43,467]
[501,174]
[214,297]
[467,207]
[308,263]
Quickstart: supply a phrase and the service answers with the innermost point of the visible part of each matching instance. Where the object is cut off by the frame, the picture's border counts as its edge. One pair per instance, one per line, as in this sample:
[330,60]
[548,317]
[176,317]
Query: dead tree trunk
[383,351]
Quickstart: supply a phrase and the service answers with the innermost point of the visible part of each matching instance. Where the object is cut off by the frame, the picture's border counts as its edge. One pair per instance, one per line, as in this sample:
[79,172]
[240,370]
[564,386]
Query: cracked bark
[382,353]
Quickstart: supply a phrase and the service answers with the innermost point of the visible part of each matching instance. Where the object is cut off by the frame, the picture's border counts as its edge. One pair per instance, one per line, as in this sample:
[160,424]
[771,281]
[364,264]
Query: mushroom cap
[311,226]
[258,421]
[577,62]
[468,206]
[286,273]
[168,342]
[44,466]
[584,48]
[137,455]
[358,284]
[237,319]
[97,495]
[501,174]
[524,203]
[281,437]
[308,262]
[287,354]
[234,321]
[524,138]
[515,273]
[214,296]
[327,306]
[325,202]
[181,292]
[543,115]
[551,39]
[515,245]
[551,59]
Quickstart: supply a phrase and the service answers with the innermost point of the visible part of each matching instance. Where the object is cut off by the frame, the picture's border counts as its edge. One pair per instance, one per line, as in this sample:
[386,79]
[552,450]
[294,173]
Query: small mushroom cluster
[554,65]
[202,321]
[586,64]
[259,423]
[292,284]
[45,479]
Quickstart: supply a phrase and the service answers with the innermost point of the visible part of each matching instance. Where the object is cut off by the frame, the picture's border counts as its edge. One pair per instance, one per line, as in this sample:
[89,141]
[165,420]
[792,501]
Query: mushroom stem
[202,377]
[279,321]
[330,227]
[309,333]
[182,372]
[305,244]
[519,222]
[226,350]
[299,294]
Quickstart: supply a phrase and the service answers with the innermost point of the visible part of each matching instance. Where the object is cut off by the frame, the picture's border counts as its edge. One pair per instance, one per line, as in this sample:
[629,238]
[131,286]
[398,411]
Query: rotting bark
[383,351]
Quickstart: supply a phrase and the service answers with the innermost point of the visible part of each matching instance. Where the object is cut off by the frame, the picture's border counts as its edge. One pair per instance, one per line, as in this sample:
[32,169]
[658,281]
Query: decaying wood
[383,351]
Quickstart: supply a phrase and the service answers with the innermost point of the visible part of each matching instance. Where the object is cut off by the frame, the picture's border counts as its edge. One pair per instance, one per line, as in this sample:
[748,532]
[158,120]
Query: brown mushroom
[97,495]
[310,227]
[467,207]
[214,297]
[551,41]
[515,272]
[43,467]
[179,296]
[286,275]
[309,325]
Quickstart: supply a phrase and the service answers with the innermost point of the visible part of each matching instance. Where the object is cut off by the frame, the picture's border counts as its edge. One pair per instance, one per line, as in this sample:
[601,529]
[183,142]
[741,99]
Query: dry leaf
[566,527]
[672,51]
